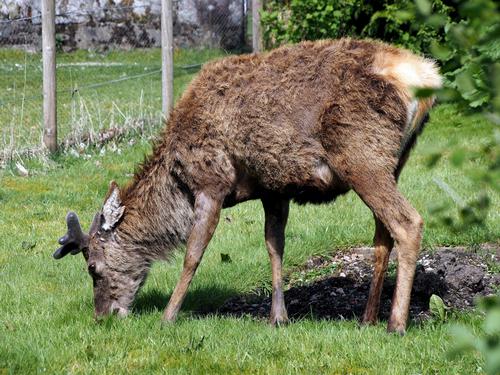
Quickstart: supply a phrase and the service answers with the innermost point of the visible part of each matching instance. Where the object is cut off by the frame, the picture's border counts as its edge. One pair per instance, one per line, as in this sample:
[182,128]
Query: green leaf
[457,34]
[437,307]
[492,323]
[489,303]
[424,7]
[448,95]
[463,341]
[433,159]
[424,92]
[436,20]
[464,83]
[492,361]
[401,15]
[479,98]
[440,51]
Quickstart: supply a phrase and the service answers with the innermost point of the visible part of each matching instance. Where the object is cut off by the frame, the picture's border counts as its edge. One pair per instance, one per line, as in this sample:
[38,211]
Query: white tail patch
[419,74]
[408,70]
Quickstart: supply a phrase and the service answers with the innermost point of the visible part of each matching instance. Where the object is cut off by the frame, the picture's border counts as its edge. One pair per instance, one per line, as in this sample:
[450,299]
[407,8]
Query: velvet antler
[74,241]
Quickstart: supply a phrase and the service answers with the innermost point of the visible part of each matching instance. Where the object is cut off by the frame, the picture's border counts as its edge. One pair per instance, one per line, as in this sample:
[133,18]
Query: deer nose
[118,310]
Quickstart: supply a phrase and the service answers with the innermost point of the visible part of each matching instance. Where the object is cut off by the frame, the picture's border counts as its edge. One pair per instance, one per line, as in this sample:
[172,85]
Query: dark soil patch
[336,287]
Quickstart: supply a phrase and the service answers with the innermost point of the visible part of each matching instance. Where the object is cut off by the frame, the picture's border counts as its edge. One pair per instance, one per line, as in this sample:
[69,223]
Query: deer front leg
[383,245]
[276,213]
[207,212]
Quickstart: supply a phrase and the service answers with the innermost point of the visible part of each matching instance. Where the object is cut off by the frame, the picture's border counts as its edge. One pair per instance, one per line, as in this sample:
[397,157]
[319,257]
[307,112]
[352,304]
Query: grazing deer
[306,122]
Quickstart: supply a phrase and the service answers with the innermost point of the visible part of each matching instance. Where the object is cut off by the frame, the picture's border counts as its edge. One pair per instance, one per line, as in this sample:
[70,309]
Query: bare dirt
[336,286]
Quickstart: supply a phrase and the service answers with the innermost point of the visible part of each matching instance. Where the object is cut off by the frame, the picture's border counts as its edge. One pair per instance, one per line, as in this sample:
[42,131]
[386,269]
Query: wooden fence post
[49,75]
[256,34]
[167,56]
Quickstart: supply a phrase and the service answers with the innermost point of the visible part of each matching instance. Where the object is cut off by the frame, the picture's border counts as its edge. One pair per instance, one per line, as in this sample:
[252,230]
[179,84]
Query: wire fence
[108,65]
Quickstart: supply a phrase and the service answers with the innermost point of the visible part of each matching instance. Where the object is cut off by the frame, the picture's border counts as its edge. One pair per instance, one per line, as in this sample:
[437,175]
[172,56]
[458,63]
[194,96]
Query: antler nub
[74,240]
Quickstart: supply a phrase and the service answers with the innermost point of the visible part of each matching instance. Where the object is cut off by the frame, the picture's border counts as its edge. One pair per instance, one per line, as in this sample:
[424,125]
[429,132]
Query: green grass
[46,307]
[81,105]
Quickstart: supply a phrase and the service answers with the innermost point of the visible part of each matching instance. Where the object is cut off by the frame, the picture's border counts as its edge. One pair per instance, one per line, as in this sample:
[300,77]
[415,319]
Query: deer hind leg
[276,213]
[383,245]
[405,226]
[207,212]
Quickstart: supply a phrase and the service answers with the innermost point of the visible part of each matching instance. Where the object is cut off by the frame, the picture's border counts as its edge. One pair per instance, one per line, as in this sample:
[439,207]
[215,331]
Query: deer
[303,123]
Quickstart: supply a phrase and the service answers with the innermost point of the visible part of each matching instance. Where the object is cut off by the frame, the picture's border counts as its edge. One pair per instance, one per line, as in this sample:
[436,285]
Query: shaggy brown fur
[305,122]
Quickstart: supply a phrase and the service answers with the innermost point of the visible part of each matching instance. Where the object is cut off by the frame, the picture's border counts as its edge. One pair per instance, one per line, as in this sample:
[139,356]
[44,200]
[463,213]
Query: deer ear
[112,210]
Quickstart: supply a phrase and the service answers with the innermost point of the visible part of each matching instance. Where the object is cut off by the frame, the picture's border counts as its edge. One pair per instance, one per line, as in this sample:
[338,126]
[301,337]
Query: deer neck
[158,212]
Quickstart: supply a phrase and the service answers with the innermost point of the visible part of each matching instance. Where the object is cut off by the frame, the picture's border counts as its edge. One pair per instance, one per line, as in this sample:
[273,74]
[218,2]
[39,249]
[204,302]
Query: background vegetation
[95,91]
[390,20]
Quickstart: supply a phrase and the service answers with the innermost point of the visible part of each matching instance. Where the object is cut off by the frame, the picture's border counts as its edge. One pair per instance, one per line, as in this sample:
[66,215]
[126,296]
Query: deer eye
[92,269]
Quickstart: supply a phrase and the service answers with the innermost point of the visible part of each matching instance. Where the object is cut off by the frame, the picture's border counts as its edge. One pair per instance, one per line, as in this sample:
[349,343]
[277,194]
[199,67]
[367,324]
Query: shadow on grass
[333,298]
[199,301]
[457,275]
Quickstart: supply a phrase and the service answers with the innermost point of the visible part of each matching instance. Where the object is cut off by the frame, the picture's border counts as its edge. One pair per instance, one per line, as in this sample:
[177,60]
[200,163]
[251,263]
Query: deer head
[115,272]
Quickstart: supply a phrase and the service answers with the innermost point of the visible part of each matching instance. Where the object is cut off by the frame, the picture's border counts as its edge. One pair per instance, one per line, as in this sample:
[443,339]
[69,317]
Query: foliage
[273,24]
[395,23]
[470,59]
[487,342]
[298,20]
[470,54]
[311,19]
[470,62]
[438,308]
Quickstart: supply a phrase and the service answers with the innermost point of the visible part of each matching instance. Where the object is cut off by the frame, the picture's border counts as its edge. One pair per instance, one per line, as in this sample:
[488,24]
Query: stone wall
[84,24]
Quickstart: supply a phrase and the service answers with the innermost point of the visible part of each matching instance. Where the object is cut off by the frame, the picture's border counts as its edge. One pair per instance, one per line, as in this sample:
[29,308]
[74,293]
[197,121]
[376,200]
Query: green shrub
[299,20]
[470,55]
[395,23]
[296,20]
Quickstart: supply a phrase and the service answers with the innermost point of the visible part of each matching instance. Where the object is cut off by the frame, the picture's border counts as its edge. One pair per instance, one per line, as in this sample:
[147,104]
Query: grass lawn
[46,322]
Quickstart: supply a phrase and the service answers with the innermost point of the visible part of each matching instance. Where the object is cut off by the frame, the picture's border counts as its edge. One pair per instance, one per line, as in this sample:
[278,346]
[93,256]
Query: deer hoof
[369,321]
[396,328]
[278,320]
[168,319]
[370,317]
